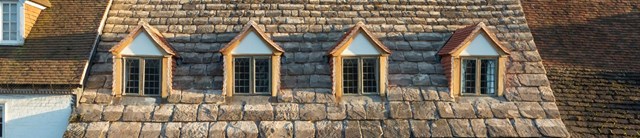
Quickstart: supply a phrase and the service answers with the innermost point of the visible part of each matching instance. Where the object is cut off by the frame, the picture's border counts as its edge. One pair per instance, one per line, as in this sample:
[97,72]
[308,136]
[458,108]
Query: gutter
[85,71]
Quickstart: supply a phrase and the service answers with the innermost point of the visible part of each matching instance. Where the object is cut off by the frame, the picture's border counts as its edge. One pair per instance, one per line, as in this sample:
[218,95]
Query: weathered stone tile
[89,112]
[461,127]
[304,96]
[185,112]
[324,97]
[356,111]
[192,96]
[124,130]
[112,112]
[531,110]
[430,94]
[242,129]
[525,128]
[207,112]
[533,79]
[424,110]
[552,127]
[371,129]
[214,97]
[174,96]
[399,110]
[396,128]
[375,110]
[483,110]
[171,130]
[194,130]
[336,111]
[479,127]
[230,112]
[329,129]
[151,130]
[551,109]
[395,94]
[505,110]
[304,129]
[97,130]
[500,128]
[162,113]
[440,128]
[285,95]
[420,128]
[286,111]
[412,94]
[258,112]
[352,129]
[218,129]
[444,110]
[312,111]
[137,113]
[463,110]
[276,129]
[75,130]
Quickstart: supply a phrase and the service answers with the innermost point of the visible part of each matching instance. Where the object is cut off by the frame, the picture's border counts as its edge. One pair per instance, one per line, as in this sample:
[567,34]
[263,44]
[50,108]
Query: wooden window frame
[252,80]
[338,74]
[141,74]
[478,74]
[360,67]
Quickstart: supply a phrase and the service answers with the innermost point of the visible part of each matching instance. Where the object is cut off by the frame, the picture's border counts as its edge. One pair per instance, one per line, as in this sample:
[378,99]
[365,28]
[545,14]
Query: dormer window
[142,63]
[251,63]
[11,23]
[474,62]
[359,63]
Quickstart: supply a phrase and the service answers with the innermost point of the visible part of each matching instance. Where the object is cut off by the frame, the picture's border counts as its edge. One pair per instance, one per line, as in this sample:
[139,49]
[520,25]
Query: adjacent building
[44,49]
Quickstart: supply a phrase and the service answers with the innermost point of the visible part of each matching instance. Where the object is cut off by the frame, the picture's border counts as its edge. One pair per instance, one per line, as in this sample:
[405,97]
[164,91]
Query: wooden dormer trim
[169,53]
[336,59]
[227,54]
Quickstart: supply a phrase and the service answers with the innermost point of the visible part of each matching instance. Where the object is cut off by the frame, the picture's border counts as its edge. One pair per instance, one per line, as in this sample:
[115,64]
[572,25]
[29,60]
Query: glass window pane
[488,76]
[350,76]
[132,67]
[468,76]
[369,75]
[152,71]
[262,75]
[241,75]
[10,21]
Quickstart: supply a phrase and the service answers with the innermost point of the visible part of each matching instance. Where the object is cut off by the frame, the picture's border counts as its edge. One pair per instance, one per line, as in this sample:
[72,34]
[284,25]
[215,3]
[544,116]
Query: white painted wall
[480,46]
[142,45]
[252,44]
[360,46]
[35,116]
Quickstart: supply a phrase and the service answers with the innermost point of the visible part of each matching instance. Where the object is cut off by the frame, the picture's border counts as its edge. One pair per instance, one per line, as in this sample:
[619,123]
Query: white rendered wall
[360,46]
[142,45]
[252,44]
[480,46]
[35,116]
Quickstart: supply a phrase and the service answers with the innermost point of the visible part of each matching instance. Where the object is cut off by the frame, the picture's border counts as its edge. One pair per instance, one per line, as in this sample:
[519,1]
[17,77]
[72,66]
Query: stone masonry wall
[417,103]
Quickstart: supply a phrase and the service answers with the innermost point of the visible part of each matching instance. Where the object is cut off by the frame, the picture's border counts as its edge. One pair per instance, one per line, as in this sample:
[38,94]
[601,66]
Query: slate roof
[590,50]
[417,102]
[57,48]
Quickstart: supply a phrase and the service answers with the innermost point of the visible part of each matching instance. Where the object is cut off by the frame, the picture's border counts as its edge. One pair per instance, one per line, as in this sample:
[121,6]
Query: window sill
[11,44]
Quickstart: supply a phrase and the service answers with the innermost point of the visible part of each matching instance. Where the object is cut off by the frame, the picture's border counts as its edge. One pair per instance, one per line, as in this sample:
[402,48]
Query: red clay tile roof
[58,46]
[45,3]
[153,32]
[352,33]
[246,29]
[464,35]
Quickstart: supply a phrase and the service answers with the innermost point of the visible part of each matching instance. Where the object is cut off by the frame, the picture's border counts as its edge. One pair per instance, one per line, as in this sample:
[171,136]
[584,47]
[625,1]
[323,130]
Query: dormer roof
[251,26]
[352,33]
[155,35]
[462,37]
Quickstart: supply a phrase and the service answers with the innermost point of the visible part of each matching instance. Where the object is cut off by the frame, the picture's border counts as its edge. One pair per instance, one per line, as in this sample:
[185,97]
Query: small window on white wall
[11,23]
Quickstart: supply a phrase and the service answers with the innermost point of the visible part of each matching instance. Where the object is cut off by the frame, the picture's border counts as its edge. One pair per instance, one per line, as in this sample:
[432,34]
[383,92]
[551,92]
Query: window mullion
[252,73]
[141,74]
[360,76]
[478,76]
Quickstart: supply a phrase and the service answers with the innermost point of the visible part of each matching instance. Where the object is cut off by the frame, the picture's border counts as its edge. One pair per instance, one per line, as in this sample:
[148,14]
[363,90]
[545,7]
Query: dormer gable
[359,41]
[251,41]
[474,40]
[144,40]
